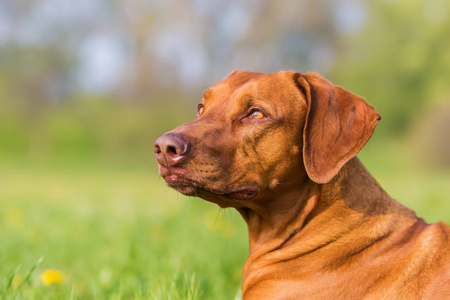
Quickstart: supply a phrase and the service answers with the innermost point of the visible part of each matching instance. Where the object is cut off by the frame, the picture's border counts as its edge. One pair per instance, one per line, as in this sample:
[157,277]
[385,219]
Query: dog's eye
[256,114]
[200,109]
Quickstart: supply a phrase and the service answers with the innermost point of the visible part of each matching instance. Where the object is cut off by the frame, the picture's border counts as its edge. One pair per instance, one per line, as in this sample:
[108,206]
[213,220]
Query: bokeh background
[86,87]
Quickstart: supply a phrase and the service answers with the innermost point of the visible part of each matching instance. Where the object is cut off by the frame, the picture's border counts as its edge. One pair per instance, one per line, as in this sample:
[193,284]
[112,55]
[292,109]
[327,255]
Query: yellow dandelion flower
[14,217]
[51,276]
[16,281]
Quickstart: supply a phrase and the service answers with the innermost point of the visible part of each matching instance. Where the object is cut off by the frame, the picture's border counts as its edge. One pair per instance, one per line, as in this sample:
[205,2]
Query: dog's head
[256,134]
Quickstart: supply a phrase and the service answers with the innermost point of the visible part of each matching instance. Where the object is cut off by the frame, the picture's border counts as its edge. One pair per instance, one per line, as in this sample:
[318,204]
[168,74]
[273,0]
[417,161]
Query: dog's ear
[338,124]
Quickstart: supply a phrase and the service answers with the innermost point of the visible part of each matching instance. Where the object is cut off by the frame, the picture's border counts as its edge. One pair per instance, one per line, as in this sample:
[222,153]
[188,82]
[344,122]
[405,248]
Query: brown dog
[281,148]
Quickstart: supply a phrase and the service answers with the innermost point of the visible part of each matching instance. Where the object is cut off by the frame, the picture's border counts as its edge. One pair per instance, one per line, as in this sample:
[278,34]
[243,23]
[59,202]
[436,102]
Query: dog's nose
[171,149]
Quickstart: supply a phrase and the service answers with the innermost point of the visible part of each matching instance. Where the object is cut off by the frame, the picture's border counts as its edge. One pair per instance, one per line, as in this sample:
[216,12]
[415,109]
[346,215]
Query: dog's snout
[171,149]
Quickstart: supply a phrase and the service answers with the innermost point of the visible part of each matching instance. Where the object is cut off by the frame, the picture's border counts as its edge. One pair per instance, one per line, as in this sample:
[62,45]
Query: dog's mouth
[189,187]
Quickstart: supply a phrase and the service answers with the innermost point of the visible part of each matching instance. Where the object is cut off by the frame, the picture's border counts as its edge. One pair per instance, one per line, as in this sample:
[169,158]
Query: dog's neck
[304,219]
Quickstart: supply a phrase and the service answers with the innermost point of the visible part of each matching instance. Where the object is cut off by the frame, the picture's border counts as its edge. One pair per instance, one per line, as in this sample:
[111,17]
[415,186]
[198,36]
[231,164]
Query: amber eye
[256,114]
[200,109]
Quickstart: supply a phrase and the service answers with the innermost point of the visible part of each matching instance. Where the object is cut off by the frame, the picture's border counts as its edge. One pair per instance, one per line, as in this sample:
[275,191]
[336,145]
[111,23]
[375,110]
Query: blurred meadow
[87,86]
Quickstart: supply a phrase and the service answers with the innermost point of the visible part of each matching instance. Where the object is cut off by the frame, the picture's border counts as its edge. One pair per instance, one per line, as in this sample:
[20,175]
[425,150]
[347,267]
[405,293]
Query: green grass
[403,173]
[116,232]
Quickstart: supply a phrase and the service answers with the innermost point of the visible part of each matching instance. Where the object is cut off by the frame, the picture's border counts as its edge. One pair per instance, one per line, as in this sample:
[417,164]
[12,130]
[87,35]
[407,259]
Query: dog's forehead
[248,82]
[231,83]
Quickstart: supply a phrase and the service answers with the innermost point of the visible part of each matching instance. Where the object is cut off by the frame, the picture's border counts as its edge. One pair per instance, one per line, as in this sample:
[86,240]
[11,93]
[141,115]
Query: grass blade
[30,272]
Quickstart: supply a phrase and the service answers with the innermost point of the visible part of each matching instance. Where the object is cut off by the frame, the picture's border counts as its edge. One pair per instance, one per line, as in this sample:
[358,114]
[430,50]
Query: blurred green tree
[399,60]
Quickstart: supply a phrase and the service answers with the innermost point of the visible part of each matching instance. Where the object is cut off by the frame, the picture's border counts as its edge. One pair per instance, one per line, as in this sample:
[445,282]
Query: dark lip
[164,171]
[176,178]
[243,194]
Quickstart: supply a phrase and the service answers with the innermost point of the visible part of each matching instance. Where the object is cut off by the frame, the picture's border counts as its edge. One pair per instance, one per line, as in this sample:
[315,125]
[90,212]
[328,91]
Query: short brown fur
[320,226]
